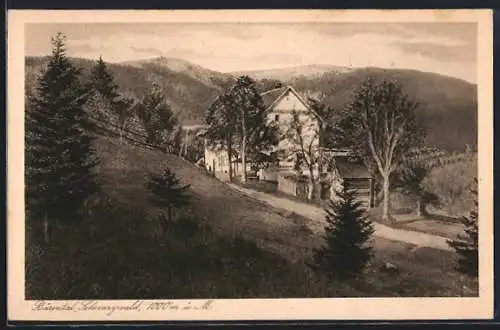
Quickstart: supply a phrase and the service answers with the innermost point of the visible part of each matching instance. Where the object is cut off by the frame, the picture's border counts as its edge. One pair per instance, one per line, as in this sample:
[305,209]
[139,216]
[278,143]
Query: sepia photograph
[196,159]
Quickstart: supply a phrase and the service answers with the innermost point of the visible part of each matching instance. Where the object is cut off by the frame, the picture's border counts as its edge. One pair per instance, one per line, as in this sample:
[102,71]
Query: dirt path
[316,215]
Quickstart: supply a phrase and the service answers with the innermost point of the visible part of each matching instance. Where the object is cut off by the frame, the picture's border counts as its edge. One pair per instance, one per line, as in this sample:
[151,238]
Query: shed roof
[350,170]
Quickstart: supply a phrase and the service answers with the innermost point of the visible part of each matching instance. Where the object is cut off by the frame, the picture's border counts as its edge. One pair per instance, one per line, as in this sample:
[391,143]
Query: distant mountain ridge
[287,74]
[189,88]
[448,106]
[195,71]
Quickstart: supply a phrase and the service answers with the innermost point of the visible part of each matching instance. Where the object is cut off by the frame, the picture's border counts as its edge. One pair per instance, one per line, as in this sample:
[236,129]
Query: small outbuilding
[353,175]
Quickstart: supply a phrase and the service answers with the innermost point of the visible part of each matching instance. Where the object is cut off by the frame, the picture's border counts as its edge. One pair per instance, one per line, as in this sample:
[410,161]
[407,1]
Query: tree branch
[371,144]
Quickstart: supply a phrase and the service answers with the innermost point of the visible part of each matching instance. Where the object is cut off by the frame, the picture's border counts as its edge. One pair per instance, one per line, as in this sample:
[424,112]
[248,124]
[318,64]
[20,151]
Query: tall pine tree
[467,246]
[103,81]
[111,104]
[60,160]
[159,120]
[347,234]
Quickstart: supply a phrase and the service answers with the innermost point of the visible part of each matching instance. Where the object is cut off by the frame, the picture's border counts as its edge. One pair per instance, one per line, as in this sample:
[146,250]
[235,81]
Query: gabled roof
[284,91]
[273,96]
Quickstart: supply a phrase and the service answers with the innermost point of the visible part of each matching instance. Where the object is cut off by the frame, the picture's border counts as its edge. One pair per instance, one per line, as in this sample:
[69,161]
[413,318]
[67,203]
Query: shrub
[467,246]
[450,183]
[347,235]
[167,192]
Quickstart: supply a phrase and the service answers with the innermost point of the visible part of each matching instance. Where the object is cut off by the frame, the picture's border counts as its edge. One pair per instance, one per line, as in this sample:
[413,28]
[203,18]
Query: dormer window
[276,117]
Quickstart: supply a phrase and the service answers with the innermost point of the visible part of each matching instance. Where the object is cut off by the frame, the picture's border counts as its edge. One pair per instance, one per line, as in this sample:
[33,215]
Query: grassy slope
[118,252]
[423,271]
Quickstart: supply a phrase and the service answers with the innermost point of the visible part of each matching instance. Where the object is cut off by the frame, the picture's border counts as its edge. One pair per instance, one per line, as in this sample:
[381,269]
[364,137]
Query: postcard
[229,165]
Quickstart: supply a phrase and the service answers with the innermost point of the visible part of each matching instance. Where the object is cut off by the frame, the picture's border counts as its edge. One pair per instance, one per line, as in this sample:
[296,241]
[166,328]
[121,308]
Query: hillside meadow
[225,245]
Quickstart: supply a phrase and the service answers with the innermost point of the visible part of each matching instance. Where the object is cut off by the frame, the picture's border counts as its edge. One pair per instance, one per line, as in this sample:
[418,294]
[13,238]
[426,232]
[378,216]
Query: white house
[281,102]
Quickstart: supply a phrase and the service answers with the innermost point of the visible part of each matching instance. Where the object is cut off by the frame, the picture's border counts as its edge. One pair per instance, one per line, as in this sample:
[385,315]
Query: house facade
[282,103]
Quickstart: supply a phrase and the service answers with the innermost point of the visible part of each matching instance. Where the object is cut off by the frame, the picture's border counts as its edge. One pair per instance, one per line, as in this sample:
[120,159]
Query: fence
[298,186]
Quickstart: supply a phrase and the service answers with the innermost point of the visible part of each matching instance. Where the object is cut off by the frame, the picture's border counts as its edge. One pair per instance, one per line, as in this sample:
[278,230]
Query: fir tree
[348,233]
[108,101]
[168,192]
[158,118]
[103,81]
[467,246]
[59,158]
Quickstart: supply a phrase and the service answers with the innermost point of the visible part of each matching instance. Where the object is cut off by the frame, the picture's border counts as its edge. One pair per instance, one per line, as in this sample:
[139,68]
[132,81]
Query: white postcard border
[248,309]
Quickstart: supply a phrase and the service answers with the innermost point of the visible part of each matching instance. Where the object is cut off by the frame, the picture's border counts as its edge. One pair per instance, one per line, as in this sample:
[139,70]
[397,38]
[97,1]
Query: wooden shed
[355,175]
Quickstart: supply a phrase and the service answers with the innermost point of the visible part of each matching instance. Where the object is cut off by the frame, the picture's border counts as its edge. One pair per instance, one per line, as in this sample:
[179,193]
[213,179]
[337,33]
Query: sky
[445,48]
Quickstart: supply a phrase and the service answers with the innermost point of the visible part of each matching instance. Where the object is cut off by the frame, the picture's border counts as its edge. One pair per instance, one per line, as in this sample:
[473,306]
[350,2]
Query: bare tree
[380,125]
[302,138]
[325,116]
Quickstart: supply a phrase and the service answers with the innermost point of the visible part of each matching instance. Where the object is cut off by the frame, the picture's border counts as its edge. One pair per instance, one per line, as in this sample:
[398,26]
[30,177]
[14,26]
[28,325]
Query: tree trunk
[310,193]
[46,230]
[181,150]
[420,208]
[321,147]
[244,158]
[243,146]
[169,213]
[229,153]
[320,161]
[372,194]
[385,206]
[312,185]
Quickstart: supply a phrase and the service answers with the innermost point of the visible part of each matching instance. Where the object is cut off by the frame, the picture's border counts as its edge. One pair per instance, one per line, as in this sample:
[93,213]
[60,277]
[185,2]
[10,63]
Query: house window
[277,117]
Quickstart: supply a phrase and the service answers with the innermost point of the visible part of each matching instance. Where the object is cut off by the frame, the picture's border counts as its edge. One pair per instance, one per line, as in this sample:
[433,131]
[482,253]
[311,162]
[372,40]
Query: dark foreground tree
[347,234]
[467,246]
[59,157]
[168,193]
